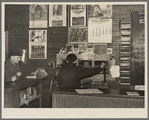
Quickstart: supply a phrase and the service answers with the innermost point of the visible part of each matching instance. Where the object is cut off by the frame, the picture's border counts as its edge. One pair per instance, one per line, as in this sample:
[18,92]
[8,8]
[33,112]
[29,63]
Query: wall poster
[37,44]
[57,15]
[100,23]
[78,15]
[77,35]
[38,16]
[100,11]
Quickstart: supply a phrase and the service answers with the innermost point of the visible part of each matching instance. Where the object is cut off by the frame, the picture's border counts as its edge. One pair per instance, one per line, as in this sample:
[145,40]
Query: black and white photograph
[74,60]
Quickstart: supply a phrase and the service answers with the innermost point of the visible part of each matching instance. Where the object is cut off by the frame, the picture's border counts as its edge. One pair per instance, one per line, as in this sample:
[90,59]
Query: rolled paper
[23,56]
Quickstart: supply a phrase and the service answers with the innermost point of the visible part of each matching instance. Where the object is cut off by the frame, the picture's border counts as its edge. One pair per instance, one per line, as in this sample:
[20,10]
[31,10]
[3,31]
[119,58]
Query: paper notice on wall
[139,87]
[115,71]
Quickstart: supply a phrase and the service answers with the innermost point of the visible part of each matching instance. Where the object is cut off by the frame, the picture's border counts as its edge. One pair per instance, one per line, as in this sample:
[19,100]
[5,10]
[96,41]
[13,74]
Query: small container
[34,92]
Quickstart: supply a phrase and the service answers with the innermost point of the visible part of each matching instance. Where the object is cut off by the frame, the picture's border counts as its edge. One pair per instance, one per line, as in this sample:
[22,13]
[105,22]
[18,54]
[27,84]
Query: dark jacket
[11,70]
[70,75]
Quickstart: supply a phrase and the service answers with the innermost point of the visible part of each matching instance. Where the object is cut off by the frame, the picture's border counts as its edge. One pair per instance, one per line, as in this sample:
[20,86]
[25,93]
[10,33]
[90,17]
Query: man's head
[15,55]
[71,58]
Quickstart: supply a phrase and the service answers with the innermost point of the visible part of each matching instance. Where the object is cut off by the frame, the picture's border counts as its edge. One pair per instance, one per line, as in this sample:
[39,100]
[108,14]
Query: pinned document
[115,71]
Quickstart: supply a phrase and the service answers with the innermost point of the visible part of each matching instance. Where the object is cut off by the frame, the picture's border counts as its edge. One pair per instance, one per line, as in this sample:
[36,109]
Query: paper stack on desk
[87,91]
[132,93]
[31,77]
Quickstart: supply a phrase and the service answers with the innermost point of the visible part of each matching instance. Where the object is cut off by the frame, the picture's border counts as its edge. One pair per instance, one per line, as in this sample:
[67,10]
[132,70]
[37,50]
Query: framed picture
[78,15]
[57,15]
[38,44]
[38,16]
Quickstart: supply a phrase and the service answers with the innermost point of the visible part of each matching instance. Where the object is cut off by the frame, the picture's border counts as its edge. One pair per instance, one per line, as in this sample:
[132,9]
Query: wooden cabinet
[24,93]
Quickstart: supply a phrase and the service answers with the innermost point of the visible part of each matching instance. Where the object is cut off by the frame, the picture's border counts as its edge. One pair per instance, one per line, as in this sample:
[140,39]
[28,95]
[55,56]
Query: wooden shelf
[125,52]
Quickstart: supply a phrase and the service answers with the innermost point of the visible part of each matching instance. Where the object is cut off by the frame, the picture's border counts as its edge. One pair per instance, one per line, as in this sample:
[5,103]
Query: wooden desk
[12,91]
[110,98]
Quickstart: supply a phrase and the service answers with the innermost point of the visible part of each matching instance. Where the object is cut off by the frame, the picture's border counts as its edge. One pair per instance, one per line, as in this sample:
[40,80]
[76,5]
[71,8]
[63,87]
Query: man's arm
[89,72]
[8,75]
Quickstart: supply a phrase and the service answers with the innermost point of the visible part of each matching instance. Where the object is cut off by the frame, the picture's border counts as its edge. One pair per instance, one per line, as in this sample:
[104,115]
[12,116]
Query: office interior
[115,35]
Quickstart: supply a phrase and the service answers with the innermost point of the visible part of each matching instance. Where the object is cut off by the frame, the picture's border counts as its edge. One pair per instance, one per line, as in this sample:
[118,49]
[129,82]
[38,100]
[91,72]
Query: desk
[110,98]
[12,91]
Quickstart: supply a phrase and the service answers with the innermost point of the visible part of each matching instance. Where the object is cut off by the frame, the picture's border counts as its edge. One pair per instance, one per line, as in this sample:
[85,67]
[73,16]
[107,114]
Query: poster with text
[38,44]
[38,16]
[78,15]
[100,30]
[57,15]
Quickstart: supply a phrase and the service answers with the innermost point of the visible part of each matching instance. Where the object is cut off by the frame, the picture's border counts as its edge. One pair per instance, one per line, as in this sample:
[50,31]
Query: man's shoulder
[7,61]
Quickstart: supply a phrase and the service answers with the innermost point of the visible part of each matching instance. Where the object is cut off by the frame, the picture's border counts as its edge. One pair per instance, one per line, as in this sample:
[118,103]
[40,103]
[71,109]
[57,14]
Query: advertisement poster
[77,35]
[38,44]
[100,30]
[57,15]
[38,16]
[78,15]
[99,11]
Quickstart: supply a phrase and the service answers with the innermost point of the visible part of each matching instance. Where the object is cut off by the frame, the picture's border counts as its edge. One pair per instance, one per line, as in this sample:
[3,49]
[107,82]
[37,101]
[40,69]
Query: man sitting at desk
[12,69]
[70,75]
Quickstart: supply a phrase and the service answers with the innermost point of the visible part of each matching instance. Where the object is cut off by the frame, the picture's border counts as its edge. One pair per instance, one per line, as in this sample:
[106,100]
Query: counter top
[23,83]
[106,93]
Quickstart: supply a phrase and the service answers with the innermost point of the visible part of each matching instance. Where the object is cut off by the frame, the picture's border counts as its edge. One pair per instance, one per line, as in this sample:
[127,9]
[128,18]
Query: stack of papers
[31,77]
[132,93]
[87,91]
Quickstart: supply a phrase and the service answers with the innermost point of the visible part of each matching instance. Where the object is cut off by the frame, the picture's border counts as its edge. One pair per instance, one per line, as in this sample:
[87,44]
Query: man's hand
[19,73]
[14,78]
[102,64]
